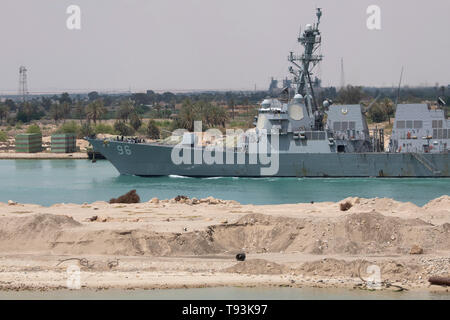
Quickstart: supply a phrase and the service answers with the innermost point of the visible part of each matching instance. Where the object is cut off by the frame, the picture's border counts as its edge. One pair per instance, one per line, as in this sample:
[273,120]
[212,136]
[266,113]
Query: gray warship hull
[145,159]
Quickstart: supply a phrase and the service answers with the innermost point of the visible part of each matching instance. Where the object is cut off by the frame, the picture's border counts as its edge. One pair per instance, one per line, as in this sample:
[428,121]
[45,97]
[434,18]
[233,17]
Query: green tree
[377,113]
[211,115]
[93,95]
[189,113]
[56,112]
[350,95]
[65,111]
[122,128]
[65,98]
[126,109]
[135,121]
[34,128]
[232,105]
[3,136]
[86,130]
[153,131]
[4,110]
[95,110]
[80,111]
[69,127]
[389,108]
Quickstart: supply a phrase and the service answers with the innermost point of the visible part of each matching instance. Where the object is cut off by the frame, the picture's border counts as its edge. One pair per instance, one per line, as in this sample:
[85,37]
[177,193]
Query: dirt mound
[380,205]
[358,233]
[257,233]
[374,233]
[33,232]
[35,224]
[257,266]
[129,197]
[389,270]
[441,203]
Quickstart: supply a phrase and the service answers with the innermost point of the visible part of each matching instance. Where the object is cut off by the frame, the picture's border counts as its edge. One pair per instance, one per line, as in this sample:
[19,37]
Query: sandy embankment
[168,244]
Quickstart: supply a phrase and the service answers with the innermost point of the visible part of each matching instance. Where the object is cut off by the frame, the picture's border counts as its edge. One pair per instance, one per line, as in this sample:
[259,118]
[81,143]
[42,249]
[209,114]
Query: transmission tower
[342,74]
[23,87]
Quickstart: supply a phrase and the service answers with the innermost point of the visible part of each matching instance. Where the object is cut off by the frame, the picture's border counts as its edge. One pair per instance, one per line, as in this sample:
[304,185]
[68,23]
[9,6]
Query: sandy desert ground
[193,243]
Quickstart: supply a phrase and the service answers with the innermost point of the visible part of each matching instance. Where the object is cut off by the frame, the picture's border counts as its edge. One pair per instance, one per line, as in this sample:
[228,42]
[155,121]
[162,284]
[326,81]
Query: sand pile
[257,266]
[441,203]
[35,232]
[389,270]
[359,233]
[380,204]
[353,232]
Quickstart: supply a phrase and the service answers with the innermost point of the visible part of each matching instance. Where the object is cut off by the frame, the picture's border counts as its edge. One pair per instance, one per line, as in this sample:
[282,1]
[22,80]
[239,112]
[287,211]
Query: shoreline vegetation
[154,116]
[192,243]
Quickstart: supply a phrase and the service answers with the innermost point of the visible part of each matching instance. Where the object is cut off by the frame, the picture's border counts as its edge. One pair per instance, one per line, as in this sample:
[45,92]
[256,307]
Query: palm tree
[189,113]
[126,109]
[65,111]
[55,112]
[80,111]
[4,110]
[95,110]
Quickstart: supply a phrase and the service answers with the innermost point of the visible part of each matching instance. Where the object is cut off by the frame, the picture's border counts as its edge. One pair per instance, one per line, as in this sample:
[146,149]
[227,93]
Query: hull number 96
[124,150]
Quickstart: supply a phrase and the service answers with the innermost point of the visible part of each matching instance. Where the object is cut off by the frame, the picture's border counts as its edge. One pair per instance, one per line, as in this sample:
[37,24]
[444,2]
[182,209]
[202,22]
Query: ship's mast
[303,64]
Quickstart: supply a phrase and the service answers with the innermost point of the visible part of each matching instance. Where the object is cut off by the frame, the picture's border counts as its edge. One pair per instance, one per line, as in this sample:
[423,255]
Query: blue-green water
[47,182]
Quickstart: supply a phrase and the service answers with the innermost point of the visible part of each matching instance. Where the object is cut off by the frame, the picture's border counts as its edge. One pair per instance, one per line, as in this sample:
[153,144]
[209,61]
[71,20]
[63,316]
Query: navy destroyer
[296,136]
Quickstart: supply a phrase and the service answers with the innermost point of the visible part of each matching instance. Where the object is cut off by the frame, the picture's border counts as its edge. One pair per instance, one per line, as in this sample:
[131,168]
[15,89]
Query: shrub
[34,128]
[152,130]
[129,197]
[135,121]
[69,127]
[3,136]
[104,128]
[85,130]
[123,129]
[344,206]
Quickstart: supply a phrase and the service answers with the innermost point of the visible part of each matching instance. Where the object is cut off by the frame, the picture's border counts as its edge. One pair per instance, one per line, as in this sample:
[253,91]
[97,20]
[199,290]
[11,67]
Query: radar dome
[298,96]
[266,103]
[326,104]
[308,27]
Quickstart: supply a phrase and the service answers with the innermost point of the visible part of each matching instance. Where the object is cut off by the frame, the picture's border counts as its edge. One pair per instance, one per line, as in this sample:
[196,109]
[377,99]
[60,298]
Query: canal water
[47,182]
[228,293]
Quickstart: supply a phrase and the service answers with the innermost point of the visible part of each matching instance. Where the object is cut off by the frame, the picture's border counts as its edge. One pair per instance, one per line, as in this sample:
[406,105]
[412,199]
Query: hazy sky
[212,44]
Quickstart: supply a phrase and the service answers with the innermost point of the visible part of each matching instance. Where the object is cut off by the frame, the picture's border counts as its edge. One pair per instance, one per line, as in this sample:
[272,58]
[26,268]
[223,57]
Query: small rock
[154,200]
[11,203]
[415,249]
[93,218]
